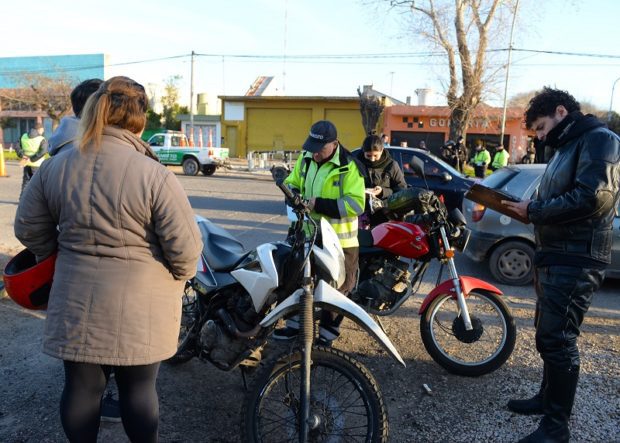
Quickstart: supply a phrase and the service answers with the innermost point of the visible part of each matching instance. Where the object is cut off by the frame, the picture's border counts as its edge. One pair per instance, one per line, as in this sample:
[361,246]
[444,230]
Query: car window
[175,140]
[431,168]
[499,178]
[157,140]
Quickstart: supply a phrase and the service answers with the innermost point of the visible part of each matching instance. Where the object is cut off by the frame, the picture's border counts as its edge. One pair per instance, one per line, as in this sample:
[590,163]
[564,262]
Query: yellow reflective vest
[30,146]
[339,186]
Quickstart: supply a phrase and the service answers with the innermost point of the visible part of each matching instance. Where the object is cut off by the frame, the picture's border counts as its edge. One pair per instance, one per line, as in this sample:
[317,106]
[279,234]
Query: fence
[267,159]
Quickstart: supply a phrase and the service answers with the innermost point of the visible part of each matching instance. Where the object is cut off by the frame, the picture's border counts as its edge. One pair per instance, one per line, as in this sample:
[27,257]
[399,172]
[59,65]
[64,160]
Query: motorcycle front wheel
[469,353]
[345,401]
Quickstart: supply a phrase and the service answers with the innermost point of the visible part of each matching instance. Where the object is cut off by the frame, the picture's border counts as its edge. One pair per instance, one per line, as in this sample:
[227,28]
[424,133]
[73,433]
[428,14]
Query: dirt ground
[199,403]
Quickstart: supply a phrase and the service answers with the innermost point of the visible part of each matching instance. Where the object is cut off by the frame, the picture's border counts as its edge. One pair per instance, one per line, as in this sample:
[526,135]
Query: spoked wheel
[345,401]
[189,323]
[472,353]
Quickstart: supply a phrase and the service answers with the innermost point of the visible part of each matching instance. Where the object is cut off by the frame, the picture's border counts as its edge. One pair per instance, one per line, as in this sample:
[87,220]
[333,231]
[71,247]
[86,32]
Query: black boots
[558,402]
[531,406]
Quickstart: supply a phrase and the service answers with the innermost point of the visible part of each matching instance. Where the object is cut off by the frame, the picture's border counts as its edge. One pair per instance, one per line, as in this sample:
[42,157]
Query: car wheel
[190,166]
[512,263]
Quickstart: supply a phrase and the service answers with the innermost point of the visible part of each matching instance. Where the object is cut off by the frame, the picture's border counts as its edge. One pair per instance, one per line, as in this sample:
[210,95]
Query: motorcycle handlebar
[293,199]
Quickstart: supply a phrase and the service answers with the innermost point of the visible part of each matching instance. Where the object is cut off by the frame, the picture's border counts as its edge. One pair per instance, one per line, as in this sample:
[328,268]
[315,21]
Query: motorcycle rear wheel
[345,401]
[469,353]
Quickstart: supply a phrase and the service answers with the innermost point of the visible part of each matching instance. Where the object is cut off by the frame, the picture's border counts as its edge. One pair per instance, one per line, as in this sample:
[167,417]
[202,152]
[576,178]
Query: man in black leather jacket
[573,216]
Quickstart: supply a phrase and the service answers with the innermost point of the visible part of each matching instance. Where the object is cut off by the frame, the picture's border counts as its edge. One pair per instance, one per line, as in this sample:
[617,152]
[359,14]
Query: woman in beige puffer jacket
[127,242]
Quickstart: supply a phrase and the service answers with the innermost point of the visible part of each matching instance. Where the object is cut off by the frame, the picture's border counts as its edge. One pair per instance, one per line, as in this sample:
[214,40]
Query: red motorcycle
[465,324]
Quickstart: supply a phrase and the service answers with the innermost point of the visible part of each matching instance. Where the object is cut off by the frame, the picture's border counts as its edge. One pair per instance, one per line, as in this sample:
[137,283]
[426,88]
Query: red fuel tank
[401,238]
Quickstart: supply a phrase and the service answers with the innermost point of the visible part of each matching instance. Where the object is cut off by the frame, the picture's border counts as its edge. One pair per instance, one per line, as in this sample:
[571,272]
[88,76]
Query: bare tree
[461,28]
[39,92]
[371,108]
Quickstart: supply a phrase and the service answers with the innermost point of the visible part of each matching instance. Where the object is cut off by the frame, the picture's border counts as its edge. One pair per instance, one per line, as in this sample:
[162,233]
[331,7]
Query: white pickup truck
[172,148]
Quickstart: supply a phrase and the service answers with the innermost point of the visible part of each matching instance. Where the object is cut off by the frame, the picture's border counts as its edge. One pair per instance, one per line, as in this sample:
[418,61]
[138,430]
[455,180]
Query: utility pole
[611,101]
[285,43]
[512,28]
[191,100]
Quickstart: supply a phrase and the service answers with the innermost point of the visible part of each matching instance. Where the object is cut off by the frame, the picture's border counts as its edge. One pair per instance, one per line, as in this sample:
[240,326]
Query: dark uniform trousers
[564,296]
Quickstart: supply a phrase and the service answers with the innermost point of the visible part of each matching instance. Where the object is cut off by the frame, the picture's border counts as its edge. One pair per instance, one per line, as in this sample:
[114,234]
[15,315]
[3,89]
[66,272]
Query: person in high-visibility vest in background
[32,149]
[500,159]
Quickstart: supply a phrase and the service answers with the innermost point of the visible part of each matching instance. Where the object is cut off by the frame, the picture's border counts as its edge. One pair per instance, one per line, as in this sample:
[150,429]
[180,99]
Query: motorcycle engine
[383,282]
[217,340]
[222,348]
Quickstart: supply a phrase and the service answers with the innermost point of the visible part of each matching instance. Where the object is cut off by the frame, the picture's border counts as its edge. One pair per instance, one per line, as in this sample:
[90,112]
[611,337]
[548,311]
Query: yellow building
[281,123]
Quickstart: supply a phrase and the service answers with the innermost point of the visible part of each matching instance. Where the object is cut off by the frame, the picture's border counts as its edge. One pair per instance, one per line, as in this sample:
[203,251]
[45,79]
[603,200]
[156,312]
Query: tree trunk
[459,119]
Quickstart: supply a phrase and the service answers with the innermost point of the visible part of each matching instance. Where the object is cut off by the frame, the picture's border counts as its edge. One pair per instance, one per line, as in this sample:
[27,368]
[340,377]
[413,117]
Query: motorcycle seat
[221,250]
[364,237]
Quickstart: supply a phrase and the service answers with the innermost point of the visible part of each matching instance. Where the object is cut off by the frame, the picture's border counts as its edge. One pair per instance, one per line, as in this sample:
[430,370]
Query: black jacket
[578,194]
[385,172]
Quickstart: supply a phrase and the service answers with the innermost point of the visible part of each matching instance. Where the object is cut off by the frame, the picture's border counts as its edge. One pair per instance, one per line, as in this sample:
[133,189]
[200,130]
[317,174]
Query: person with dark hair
[31,150]
[422,145]
[330,178]
[385,140]
[66,132]
[383,176]
[449,154]
[572,217]
[127,242]
[461,154]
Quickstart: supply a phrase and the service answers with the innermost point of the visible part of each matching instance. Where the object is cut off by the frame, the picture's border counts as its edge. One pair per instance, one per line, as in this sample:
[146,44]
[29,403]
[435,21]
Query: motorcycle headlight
[460,239]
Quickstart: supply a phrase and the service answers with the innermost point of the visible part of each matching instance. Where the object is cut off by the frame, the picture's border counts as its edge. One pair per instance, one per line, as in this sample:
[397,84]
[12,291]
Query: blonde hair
[119,101]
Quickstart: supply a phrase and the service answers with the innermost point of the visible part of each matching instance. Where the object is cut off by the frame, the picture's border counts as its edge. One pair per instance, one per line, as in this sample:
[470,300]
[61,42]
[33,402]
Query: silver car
[506,243]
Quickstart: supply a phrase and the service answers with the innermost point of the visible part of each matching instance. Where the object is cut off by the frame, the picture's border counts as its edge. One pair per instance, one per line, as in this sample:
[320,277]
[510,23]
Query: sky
[239,40]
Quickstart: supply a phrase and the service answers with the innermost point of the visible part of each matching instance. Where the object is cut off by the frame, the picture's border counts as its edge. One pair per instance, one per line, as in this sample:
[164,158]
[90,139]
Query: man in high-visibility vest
[481,160]
[329,178]
[500,159]
[32,149]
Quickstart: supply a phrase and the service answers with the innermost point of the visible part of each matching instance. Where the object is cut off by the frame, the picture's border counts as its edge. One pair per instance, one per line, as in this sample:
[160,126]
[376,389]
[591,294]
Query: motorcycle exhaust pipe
[232,328]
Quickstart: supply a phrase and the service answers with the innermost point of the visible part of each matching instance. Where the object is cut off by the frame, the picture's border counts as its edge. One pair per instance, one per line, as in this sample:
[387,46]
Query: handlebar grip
[293,199]
[285,190]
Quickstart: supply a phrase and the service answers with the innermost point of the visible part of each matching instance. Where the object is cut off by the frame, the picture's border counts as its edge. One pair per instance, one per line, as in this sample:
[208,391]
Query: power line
[350,58]
[574,54]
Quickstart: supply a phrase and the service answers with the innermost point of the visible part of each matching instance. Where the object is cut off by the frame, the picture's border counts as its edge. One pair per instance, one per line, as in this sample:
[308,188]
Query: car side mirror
[446,177]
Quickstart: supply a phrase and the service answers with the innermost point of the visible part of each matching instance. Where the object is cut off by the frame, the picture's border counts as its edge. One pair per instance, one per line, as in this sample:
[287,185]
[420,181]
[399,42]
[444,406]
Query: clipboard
[491,198]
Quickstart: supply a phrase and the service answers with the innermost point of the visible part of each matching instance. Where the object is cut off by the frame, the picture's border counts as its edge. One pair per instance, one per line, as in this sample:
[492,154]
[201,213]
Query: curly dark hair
[546,102]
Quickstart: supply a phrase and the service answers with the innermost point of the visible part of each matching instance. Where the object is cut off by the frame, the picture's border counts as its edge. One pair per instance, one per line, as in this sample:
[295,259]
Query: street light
[611,102]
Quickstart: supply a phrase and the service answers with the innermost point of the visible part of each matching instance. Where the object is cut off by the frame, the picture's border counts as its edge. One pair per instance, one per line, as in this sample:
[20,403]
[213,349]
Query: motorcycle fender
[468,284]
[327,297]
[287,307]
